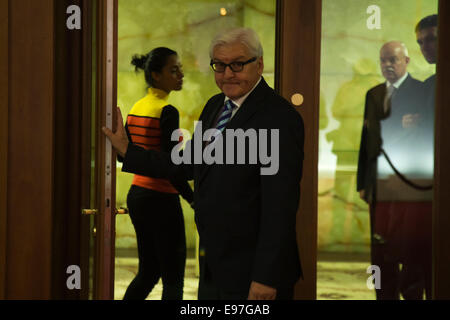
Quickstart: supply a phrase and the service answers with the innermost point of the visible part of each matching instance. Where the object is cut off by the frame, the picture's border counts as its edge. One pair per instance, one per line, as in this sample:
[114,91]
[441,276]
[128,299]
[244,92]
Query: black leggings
[158,220]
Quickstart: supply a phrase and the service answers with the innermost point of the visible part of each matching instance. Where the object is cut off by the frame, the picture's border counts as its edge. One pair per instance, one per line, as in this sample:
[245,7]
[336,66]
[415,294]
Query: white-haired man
[389,167]
[246,220]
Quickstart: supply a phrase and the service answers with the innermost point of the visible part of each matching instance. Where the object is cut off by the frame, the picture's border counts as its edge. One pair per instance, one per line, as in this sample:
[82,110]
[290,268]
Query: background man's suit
[407,99]
[246,221]
[430,89]
[399,221]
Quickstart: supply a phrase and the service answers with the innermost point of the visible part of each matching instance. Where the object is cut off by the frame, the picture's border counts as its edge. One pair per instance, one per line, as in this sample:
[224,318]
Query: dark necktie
[224,118]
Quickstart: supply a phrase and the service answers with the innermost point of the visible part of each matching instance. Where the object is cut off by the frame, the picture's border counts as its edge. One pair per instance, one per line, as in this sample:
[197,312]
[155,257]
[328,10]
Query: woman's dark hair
[154,61]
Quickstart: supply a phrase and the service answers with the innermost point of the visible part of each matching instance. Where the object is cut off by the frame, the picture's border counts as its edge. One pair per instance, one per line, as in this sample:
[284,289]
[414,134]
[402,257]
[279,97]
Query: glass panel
[186,26]
[360,117]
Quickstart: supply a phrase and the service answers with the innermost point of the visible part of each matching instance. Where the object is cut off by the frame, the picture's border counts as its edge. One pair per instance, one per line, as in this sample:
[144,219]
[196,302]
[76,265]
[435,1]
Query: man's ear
[407,60]
[260,65]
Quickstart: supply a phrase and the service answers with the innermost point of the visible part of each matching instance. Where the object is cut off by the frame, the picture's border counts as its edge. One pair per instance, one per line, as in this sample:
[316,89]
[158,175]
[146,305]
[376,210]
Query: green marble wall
[349,67]
[186,26]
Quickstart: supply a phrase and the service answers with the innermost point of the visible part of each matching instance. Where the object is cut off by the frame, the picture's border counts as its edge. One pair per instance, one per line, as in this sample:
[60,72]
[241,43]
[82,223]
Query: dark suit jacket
[246,221]
[409,98]
[430,87]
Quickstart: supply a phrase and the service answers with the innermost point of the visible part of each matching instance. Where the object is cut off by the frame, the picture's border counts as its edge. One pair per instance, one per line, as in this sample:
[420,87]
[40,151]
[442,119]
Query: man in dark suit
[426,35]
[393,126]
[246,219]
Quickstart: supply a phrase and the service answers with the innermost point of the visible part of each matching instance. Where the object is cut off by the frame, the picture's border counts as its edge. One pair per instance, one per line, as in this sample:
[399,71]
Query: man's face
[427,40]
[393,62]
[236,84]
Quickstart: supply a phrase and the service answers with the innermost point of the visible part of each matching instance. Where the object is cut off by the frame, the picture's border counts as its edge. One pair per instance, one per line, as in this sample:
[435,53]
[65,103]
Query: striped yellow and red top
[143,125]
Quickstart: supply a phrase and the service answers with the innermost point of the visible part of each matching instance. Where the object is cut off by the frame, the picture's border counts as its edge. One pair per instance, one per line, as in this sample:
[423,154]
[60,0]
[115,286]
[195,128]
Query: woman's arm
[137,160]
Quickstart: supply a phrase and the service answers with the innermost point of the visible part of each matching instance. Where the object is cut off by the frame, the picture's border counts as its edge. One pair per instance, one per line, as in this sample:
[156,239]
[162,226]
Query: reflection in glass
[362,116]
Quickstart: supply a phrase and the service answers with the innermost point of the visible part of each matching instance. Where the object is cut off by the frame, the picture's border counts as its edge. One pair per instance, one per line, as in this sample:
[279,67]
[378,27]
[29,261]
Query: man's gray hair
[246,36]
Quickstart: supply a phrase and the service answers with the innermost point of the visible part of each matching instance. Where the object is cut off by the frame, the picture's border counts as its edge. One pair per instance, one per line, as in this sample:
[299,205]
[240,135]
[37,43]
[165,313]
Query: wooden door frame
[4,104]
[107,13]
[26,145]
[298,71]
[72,161]
[441,204]
[85,144]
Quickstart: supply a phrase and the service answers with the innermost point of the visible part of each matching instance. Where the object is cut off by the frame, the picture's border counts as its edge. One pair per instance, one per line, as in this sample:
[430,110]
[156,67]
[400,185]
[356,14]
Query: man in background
[426,34]
[393,117]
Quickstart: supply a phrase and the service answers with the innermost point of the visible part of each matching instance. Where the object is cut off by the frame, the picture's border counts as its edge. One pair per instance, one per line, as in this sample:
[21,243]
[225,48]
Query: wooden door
[50,123]
[105,159]
[441,216]
[297,80]
[84,163]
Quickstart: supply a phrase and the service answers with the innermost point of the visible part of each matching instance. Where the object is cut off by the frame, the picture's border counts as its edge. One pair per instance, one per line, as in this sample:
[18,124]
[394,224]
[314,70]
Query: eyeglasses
[236,66]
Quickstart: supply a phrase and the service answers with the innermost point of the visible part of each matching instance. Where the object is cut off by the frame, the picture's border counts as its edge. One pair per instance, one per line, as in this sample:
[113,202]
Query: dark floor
[339,276]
